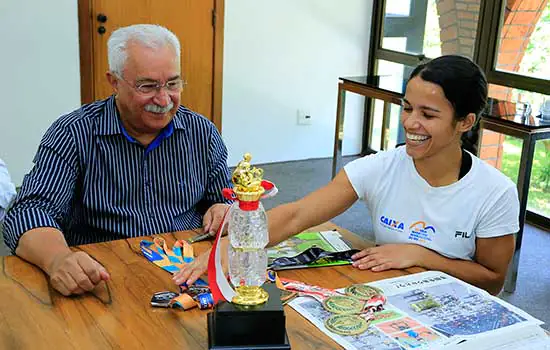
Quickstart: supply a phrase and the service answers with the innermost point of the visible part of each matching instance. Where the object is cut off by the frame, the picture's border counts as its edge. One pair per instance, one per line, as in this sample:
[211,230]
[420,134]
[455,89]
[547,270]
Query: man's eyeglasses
[148,88]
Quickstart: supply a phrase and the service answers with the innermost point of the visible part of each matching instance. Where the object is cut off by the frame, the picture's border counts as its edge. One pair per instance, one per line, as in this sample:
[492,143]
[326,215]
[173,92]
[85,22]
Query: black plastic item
[234,327]
[162,299]
[311,255]
[101,30]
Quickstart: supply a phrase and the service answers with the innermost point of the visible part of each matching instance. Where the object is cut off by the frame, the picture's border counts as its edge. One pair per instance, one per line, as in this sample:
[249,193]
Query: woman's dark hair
[464,85]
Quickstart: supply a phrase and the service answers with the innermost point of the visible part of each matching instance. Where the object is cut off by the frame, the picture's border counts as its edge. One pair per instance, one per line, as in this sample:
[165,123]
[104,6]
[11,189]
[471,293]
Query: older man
[134,164]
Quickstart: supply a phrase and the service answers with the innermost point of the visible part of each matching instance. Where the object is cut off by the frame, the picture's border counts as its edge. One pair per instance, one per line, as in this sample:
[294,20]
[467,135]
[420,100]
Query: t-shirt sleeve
[364,174]
[501,216]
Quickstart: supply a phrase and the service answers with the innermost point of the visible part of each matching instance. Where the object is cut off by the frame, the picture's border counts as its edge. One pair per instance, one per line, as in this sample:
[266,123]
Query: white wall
[285,55]
[279,56]
[39,66]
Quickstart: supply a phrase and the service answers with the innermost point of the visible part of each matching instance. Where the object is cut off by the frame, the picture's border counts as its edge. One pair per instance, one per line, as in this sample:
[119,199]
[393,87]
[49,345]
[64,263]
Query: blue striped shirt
[94,184]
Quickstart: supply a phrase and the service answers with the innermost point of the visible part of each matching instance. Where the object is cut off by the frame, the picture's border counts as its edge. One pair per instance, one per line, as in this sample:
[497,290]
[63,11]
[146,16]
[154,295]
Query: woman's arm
[487,271]
[289,219]
[314,209]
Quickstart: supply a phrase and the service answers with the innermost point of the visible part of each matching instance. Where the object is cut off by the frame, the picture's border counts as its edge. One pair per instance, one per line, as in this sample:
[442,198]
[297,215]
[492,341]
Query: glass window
[430,28]
[509,148]
[533,100]
[524,39]
[398,8]
[399,74]
[539,189]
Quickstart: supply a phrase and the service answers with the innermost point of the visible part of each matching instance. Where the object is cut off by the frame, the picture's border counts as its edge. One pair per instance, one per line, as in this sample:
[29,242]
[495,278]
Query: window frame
[491,19]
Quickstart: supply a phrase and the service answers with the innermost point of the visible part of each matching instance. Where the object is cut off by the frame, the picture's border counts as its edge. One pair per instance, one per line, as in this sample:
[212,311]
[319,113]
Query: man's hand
[192,271]
[213,217]
[76,273]
[389,256]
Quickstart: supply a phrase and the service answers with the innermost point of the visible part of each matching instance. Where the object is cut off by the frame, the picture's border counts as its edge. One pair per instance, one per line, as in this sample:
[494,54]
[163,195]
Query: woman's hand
[389,256]
[192,271]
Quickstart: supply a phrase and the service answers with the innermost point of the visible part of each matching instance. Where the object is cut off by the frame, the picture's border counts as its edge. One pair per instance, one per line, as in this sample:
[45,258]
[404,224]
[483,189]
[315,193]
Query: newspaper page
[431,310]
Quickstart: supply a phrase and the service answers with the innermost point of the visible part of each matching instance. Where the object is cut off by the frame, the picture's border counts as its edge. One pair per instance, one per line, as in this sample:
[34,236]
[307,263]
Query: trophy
[250,314]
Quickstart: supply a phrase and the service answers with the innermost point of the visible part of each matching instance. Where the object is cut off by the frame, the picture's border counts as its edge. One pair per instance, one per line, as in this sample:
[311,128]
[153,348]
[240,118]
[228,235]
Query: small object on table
[362,291]
[310,256]
[189,298]
[345,305]
[162,299]
[200,238]
[287,296]
[347,324]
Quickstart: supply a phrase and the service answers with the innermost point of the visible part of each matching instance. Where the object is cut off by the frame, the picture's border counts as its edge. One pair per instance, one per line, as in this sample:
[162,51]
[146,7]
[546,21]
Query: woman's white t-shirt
[448,219]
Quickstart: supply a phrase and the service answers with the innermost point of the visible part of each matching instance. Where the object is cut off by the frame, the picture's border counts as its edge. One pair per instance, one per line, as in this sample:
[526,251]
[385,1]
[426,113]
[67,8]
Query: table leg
[524,178]
[385,126]
[339,130]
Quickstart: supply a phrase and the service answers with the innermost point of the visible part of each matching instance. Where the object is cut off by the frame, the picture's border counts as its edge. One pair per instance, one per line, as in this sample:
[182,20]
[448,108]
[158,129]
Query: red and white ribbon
[219,285]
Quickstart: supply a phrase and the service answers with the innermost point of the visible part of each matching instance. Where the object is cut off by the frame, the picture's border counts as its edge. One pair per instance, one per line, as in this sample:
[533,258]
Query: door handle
[101,18]
[101,30]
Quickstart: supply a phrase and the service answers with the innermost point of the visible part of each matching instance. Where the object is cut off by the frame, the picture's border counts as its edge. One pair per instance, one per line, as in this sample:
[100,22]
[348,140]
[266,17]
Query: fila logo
[462,234]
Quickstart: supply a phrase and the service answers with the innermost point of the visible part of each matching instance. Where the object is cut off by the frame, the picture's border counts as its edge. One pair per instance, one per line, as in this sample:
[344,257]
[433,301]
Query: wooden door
[195,22]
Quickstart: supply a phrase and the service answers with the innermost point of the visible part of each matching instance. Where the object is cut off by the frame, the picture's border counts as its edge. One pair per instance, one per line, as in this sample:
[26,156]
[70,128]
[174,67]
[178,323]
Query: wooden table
[118,314]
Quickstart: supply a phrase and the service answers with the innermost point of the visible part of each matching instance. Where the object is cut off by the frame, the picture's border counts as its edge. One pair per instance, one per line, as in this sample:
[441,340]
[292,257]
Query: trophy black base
[235,327]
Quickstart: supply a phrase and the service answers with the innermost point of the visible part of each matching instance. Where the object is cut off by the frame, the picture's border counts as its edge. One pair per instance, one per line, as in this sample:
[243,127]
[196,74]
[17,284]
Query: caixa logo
[392,224]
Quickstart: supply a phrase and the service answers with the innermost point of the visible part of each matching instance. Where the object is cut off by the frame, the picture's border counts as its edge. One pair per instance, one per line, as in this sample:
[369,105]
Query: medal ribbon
[172,261]
[320,293]
[302,289]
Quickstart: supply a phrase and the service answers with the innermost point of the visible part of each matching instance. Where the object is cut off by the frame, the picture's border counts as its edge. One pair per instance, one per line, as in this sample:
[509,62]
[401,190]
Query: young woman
[432,203]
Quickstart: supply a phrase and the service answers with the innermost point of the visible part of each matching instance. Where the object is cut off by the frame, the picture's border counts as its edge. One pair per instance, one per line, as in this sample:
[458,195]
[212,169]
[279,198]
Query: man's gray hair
[148,35]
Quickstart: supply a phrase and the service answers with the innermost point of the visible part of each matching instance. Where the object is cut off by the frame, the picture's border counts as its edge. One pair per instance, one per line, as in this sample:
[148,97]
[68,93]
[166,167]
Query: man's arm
[33,224]
[487,271]
[218,178]
[41,246]
[70,272]
[48,189]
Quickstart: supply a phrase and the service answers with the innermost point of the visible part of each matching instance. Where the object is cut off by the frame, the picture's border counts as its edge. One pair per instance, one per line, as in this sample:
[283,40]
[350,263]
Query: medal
[352,312]
[373,297]
[362,291]
[346,324]
[343,305]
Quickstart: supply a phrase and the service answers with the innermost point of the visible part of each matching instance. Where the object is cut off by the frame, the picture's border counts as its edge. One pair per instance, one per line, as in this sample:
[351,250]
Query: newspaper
[432,310]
